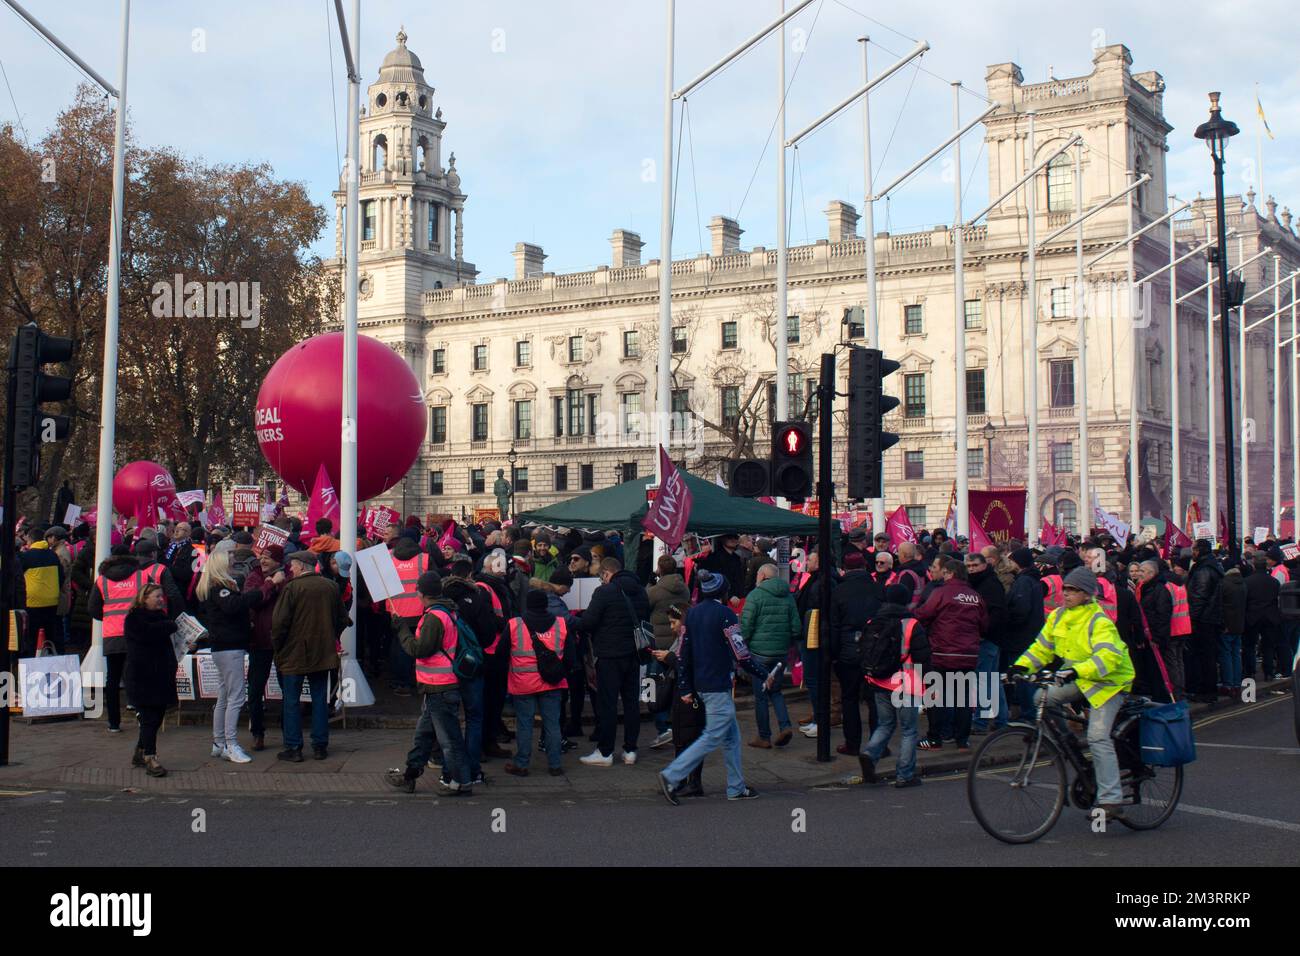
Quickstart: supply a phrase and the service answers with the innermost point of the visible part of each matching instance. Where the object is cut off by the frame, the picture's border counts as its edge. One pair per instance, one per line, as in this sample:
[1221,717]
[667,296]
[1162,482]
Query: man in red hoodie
[954,616]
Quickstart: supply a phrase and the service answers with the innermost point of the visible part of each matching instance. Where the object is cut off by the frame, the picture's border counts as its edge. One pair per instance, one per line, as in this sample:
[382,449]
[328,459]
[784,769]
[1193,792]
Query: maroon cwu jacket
[954,617]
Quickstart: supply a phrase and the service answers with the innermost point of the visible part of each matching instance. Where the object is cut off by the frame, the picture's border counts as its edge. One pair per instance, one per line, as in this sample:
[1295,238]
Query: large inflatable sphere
[137,482]
[300,412]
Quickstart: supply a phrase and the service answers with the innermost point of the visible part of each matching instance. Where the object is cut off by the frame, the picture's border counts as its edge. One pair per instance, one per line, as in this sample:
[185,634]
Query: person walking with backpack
[540,651]
[895,651]
[769,624]
[434,647]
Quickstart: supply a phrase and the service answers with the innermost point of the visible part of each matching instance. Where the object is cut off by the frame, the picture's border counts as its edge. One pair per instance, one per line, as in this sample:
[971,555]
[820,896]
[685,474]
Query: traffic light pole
[825,491]
[7,555]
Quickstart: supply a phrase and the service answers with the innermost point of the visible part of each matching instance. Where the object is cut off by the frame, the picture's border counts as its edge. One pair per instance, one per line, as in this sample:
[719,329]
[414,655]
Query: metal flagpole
[1276,434]
[782,346]
[1081,311]
[1213,430]
[1295,413]
[94,664]
[869,252]
[1134,309]
[1034,511]
[663,410]
[959,321]
[1241,400]
[1175,406]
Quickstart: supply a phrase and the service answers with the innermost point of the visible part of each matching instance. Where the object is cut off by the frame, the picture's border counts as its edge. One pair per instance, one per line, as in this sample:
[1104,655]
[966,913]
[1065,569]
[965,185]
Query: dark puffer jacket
[150,661]
[606,619]
[669,592]
[227,614]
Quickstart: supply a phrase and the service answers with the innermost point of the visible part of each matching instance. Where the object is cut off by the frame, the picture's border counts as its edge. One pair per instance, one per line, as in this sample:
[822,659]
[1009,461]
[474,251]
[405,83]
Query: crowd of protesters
[482,628]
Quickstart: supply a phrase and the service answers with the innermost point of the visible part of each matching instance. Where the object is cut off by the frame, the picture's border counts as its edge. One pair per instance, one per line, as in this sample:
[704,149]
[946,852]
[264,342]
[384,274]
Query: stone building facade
[561,368]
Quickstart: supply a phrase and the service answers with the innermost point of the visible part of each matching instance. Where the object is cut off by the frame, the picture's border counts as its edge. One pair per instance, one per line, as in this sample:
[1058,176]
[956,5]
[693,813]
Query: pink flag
[324,502]
[979,539]
[216,512]
[669,512]
[1175,537]
[1051,535]
[899,527]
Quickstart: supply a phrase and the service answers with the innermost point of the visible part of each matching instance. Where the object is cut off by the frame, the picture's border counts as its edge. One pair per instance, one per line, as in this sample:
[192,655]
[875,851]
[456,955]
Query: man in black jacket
[1207,618]
[1263,620]
[726,560]
[496,670]
[1024,618]
[854,601]
[609,626]
[993,698]
[1157,607]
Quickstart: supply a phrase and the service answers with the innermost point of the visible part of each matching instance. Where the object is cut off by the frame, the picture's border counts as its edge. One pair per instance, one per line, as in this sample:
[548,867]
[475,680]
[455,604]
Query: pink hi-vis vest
[436,668]
[1281,573]
[1180,625]
[408,572]
[1108,599]
[907,677]
[118,598]
[1055,591]
[524,676]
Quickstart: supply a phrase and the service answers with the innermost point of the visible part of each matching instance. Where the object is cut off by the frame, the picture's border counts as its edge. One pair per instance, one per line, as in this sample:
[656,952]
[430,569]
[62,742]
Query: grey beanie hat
[1083,579]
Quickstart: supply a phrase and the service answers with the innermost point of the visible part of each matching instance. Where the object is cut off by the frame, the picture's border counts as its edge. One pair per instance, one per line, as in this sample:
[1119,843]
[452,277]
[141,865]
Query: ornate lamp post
[1216,132]
[512,456]
[989,432]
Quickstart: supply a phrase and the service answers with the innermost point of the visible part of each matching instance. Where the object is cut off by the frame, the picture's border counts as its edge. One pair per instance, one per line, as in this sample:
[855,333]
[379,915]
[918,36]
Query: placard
[486,514]
[580,593]
[188,632]
[71,515]
[245,505]
[1203,529]
[268,535]
[185,678]
[50,686]
[209,676]
[380,574]
[691,544]
[1260,534]
[1291,551]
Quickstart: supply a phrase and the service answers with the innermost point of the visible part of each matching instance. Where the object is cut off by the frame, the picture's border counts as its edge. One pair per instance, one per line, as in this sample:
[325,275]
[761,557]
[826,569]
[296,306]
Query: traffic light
[748,478]
[32,426]
[792,460]
[868,406]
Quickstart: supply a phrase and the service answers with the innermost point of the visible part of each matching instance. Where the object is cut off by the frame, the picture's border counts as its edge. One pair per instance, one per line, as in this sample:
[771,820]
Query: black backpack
[549,666]
[882,645]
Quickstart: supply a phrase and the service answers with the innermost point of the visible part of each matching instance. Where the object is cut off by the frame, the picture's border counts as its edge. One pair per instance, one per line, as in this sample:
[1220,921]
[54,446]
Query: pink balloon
[134,484]
[300,412]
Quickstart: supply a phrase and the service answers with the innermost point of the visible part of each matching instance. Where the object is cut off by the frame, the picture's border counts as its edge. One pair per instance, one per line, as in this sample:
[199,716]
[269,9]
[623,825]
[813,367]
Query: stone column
[460,237]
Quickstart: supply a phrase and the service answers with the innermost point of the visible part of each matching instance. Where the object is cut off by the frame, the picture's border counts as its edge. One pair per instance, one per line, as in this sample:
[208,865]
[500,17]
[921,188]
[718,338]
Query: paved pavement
[1239,807]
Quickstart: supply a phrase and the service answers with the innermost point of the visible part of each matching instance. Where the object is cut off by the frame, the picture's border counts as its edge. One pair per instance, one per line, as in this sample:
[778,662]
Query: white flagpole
[959,321]
[1276,435]
[665,357]
[1175,406]
[1081,311]
[1241,404]
[1213,426]
[870,313]
[1295,412]
[782,346]
[1034,510]
[1134,310]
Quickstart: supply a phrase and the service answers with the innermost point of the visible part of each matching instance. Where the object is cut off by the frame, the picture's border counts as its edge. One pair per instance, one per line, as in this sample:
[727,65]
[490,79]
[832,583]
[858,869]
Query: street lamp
[512,456]
[989,432]
[1216,132]
[618,473]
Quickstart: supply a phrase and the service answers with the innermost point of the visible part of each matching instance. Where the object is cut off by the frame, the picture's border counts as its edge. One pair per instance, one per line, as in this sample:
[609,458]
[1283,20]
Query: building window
[435,482]
[479,419]
[799,397]
[480,357]
[679,339]
[630,412]
[975,391]
[575,348]
[792,329]
[1157,385]
[974,309]
[728,335]
[914,396]
[476,481]
[561,477]
[914,464]
[575,411]
[1061,376]
[368,220]
[587,477]
[439,361]
[433,225]
[629,471]
[521,479]
[913,320]
[438,424]
[523,353]
[974,462]
[558,404]
[631,345]
[1062,302]
[855,318]
[524,419]
[593,405]
[916,515]
[730,405]
[1060,184]
[1062,457]
[681,410]
[1067,516]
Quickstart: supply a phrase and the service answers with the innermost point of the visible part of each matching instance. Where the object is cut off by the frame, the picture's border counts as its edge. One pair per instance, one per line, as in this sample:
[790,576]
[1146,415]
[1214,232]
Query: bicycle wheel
[1157,793]
[1016,784]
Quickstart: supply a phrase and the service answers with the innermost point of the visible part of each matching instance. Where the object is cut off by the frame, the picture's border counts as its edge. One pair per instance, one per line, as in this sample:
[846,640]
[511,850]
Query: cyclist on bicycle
[1096,668]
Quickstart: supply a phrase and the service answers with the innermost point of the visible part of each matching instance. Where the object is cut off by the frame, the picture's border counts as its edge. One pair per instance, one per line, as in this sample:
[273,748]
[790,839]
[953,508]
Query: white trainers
[235,754]
[218,750]
[664,738]
[597,759]
[629,757]
[808,730]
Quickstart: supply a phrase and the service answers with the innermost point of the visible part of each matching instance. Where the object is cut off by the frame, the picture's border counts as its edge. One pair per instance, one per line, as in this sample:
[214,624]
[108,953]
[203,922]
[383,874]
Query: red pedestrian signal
[791,462]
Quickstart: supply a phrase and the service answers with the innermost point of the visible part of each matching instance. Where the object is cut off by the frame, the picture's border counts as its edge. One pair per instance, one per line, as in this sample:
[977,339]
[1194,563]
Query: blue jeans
[291,717]
[989,677]
[440,717]
[471,696]
[526,705]
[761,698]
[888,716]
[720,730]
[1230,660]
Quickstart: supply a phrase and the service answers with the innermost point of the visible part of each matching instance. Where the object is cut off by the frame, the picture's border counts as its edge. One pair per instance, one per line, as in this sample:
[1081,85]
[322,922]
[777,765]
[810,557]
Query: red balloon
[300,412]
[136,482]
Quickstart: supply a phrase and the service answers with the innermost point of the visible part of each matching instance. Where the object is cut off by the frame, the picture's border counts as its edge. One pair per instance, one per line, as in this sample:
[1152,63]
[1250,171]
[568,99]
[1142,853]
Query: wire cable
[899,119]
[334,115]
[695,180]
[18,117]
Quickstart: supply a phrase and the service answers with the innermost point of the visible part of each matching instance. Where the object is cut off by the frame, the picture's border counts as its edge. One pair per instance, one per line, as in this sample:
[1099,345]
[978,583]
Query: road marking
[1248,709]
[1276,750]
[19,793]
[1241,818]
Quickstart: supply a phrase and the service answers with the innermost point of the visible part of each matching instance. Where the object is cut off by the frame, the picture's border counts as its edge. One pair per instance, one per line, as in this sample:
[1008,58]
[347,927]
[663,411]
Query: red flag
[1051,536]
[979,539]
[899,527]
[1223,530]
[1175,537]
[216,511]
[669,513]
[324,502]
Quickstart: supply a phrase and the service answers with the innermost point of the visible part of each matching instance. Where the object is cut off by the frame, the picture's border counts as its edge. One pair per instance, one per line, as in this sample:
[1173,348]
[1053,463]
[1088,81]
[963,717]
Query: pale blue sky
[551,133]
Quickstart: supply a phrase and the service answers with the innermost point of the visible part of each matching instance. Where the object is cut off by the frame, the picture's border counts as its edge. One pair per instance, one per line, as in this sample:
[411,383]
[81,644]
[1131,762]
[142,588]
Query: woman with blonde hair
[150,672]
[224,611]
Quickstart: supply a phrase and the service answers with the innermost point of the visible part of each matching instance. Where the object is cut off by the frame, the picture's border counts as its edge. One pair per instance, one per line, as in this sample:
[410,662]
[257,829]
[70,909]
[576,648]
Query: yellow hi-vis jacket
[1087,641]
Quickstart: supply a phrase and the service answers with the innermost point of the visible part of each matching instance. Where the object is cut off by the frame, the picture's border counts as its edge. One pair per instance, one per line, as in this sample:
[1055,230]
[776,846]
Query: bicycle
[1017,783]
